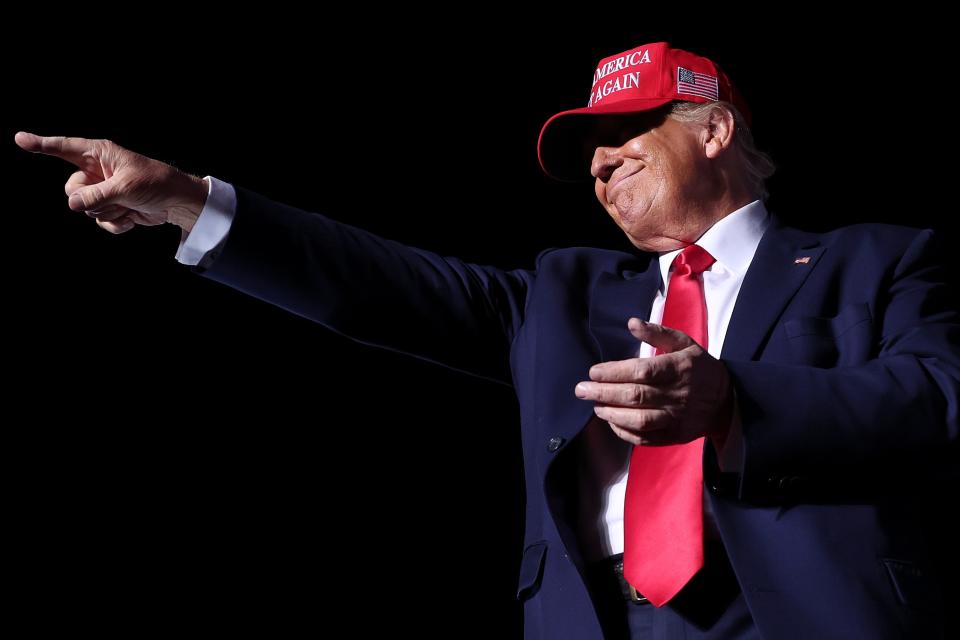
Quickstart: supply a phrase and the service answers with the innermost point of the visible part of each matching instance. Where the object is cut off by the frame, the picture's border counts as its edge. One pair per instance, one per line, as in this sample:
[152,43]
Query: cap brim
[568,139]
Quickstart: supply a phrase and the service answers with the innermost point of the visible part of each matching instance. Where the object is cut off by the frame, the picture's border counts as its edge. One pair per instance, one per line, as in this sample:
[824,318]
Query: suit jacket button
[555,443]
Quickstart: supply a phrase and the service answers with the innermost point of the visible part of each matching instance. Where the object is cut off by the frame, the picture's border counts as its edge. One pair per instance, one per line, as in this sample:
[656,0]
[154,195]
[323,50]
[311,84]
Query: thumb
[665,339]
[95,196]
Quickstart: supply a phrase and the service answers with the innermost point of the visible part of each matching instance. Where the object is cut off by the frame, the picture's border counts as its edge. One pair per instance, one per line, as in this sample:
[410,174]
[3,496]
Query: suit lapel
[617,297]
[614,298]
[784,259]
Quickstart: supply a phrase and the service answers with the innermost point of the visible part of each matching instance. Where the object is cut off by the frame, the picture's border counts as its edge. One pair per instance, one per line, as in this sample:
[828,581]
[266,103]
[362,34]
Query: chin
[630,217]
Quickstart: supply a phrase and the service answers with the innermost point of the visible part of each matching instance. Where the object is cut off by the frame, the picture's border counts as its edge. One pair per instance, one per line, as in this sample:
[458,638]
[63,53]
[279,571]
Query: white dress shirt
[213,225]
[605,459]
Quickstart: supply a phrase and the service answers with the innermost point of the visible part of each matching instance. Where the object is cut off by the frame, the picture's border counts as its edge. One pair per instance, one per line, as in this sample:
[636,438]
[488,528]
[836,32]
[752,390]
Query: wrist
[194,197]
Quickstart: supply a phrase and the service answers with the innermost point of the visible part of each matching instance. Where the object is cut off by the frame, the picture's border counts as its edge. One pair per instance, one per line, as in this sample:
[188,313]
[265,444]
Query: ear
[720,131]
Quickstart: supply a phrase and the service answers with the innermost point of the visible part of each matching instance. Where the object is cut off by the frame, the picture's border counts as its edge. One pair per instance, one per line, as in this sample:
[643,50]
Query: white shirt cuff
[212,226]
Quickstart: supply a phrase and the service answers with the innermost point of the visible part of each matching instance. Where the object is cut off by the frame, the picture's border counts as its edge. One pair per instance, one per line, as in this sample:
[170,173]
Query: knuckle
[103,148]
[91,197]
[637,394]
[650,370]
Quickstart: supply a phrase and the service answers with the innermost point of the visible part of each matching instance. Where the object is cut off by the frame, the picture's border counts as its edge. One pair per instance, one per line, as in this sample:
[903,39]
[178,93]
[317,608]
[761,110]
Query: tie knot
[694,259]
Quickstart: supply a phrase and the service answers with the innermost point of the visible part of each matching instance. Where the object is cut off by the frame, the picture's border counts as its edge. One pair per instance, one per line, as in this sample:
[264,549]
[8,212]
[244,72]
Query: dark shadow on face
[574,140]
[615,130]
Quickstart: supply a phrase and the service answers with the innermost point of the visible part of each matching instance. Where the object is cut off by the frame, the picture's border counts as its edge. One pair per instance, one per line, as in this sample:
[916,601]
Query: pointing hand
[121,188]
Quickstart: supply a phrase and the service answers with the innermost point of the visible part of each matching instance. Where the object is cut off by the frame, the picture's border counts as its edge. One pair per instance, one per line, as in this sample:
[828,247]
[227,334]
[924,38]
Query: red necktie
[663,507]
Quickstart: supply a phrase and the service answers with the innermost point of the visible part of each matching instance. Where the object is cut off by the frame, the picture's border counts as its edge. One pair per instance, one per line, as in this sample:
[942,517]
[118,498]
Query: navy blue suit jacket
[847,374]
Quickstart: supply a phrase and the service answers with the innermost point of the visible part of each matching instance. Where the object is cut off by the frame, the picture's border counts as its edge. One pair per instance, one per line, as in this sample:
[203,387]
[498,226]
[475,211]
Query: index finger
[70,149]
[652,370]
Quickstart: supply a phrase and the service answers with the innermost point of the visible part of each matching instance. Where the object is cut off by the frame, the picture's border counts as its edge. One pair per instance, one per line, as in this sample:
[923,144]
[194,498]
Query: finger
[143,219]
[656,370]
[624,434]
[96,196]
[120,225]
[646,439]
[636,420]
[624,394]
[70,149]
[665,339]
[658,438]
[80,179]
[109,213]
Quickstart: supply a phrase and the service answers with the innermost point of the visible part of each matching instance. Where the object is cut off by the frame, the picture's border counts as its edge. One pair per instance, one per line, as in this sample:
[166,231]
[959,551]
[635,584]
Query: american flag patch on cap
[697,84]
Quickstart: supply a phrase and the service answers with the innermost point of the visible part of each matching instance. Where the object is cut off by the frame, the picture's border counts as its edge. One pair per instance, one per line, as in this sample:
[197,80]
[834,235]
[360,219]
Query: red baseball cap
[640,79]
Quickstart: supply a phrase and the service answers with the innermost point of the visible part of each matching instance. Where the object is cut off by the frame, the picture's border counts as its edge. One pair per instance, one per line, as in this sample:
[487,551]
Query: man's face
[653,178]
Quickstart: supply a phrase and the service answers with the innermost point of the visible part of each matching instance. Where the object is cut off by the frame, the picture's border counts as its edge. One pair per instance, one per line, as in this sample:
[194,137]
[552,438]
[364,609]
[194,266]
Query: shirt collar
[732,240]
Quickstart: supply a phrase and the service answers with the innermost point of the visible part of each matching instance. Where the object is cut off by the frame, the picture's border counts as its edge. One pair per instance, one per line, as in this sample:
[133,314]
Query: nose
[605,162]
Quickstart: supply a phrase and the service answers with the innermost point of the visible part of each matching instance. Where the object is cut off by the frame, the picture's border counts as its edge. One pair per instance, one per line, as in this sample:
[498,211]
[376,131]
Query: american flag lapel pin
[803,260]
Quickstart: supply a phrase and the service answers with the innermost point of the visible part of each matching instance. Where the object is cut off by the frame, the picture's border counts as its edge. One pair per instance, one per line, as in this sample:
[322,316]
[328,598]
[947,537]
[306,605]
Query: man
[809,382]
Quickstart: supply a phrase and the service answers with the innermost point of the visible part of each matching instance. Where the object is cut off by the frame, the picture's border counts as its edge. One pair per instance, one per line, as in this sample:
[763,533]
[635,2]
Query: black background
[180,456]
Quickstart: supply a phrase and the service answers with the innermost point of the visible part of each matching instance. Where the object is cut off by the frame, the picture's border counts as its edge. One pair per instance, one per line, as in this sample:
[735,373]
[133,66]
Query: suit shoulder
[878,248]
[874,235]
[587,260]
[867,241]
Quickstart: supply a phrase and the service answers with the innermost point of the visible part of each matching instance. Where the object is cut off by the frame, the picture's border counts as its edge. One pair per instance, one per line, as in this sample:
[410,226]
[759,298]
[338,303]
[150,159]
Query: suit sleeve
[375,291]
[805,428]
